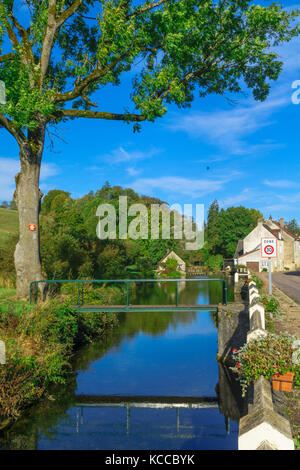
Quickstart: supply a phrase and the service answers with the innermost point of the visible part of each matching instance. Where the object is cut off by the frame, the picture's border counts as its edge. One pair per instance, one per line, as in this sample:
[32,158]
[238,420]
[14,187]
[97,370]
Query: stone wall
[262,428]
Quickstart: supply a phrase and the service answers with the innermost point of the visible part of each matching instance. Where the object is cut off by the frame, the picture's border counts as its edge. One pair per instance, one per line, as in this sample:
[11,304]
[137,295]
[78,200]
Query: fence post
[127,294]
[78,292]
[82,293]
[224,293]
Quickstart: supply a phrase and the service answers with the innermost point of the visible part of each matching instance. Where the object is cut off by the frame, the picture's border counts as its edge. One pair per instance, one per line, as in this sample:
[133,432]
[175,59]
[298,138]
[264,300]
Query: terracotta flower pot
[283,382]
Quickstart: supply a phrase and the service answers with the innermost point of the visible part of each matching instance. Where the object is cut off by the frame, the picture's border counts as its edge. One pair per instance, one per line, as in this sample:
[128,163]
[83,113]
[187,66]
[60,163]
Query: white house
[248,251]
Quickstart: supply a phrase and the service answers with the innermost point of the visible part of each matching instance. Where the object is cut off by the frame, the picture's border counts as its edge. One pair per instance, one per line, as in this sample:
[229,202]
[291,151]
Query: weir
[145,401]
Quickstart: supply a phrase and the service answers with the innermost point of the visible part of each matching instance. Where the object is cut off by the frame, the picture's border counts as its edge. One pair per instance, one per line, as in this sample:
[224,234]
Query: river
[152,383]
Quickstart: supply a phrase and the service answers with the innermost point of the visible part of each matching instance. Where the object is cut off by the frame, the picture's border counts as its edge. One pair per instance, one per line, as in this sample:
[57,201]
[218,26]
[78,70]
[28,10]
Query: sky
[238,153]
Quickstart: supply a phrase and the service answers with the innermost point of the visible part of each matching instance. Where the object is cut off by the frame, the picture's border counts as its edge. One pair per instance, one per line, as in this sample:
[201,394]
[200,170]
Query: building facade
[248,251]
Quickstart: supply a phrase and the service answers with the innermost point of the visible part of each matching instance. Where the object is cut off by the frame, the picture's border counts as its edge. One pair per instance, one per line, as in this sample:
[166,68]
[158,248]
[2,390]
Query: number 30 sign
[269,248]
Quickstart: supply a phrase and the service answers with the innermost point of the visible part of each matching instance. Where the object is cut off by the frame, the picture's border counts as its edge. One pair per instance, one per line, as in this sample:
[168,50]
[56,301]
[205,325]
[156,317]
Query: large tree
[212,231]
[56,55]
[233,224]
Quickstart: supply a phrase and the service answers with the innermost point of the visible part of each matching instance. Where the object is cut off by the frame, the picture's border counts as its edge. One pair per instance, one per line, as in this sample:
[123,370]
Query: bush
[266,356]
[259,283]
[39,341]
[271,305]
[215,262]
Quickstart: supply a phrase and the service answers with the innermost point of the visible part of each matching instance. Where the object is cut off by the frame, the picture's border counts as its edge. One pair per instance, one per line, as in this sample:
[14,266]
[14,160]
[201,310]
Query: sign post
[270,276]
[269,250]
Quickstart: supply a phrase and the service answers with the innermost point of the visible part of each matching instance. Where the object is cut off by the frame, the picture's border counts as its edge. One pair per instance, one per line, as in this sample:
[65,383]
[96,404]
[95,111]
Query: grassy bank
[40,340]
[8,224]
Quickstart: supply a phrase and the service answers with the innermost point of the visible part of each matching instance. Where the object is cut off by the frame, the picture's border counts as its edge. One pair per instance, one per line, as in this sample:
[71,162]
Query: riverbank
[40,341]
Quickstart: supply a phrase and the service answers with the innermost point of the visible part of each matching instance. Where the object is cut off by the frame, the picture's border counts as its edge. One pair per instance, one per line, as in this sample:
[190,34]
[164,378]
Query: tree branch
[149,7]
[7,57]
[53,24]
[12,129]
[79,113]
[48,40]
[24,35]
[69,12]
[11,34]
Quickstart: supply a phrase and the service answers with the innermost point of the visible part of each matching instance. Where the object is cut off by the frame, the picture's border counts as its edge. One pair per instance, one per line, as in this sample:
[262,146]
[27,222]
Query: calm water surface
[153,383]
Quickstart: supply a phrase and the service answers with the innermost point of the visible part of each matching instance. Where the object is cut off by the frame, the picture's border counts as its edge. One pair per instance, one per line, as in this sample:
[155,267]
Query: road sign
[268,248]
[32,227]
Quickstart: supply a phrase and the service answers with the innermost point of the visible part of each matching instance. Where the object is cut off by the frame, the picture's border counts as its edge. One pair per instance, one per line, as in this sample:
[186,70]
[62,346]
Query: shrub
[39,341]
[271,305]
[259,283]
[266,356]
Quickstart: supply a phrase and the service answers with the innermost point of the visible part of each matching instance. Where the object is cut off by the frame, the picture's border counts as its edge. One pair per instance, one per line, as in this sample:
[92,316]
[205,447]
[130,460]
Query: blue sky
[246,153]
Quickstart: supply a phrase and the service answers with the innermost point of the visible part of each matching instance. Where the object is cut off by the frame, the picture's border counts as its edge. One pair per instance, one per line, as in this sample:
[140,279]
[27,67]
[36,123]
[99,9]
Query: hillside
[8,223]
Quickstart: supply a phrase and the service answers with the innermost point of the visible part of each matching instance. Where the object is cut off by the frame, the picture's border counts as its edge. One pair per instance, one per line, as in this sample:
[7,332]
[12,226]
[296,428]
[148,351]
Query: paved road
[289,283]
[286,286]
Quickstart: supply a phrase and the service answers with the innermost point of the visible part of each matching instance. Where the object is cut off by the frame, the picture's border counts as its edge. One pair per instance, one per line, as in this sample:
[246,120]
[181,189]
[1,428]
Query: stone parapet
[262,428]
[263,424]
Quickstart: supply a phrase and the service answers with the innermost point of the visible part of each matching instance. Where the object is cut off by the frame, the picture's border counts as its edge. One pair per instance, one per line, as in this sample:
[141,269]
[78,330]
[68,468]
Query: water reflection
[153,383]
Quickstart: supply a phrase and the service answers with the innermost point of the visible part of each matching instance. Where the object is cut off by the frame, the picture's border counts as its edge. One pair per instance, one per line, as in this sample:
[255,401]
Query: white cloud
[133,171]
[282,184]
[179,186]
[49,169]
[228,129]
[243,196]
[9,167]
[120,155]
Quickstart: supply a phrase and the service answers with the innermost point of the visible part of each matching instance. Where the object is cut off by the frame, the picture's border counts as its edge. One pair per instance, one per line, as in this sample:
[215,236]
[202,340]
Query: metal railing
[81,283]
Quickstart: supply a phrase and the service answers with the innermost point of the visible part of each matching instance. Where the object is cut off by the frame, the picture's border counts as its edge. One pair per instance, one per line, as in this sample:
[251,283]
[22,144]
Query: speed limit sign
[269,248]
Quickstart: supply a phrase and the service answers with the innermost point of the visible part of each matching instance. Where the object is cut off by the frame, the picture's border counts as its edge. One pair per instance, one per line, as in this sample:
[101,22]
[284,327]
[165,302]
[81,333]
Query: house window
[264,264]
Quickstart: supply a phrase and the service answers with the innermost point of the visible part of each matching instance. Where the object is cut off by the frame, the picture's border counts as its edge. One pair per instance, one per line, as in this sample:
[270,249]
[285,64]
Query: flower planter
[283,382]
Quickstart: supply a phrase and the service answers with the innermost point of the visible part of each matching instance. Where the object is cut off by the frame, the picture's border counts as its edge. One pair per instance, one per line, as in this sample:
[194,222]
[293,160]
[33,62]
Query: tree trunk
[27,197]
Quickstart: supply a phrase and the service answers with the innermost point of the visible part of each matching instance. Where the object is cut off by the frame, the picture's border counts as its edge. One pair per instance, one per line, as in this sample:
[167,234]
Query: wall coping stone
[264,421]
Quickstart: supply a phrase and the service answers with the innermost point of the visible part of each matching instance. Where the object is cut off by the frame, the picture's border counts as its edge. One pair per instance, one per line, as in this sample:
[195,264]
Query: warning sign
[269,248]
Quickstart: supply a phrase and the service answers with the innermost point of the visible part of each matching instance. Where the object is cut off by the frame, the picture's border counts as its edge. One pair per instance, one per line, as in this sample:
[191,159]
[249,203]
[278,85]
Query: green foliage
[70,248]
[293,227]
[50,199]
[8,225]
[271,304]
[226,227]
[39,342]
[265,356]
[212,231]
[7,267]
[259,282]
[215,262]
[212,46]
[170,270]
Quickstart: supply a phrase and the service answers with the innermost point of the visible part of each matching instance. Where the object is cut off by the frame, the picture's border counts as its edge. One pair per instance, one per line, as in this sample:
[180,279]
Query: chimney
[281,222]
